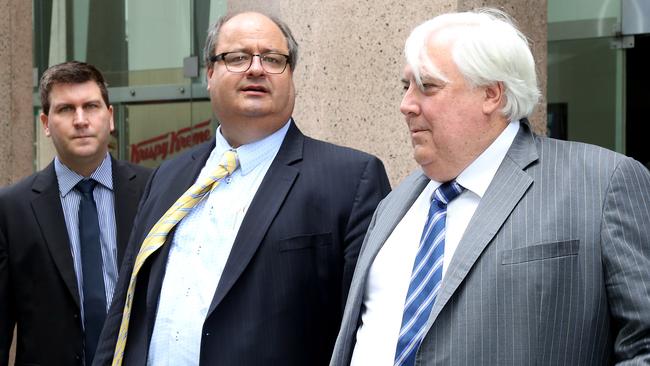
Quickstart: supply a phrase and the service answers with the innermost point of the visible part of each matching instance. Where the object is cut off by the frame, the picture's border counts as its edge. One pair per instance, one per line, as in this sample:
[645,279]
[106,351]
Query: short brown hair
[71,72]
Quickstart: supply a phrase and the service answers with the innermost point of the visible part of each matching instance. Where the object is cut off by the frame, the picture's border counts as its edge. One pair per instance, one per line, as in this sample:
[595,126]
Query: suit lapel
[269,198]
[388,215]
[396,206]
[48,211]
[508,186]
[126,205]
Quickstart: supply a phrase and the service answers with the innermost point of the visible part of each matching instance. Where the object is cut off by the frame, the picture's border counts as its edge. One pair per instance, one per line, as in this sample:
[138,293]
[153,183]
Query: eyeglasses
[272,63]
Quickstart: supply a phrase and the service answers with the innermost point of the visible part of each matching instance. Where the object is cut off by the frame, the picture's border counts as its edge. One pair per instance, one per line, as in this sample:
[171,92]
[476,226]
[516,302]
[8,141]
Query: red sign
[169,143]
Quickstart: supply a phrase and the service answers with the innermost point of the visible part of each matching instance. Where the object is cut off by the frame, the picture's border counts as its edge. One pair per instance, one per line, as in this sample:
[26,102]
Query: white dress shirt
[200,249]
[390,274]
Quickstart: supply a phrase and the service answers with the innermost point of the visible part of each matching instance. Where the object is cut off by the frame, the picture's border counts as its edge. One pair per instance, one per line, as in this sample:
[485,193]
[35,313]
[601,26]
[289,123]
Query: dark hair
[71,72]
[213,36]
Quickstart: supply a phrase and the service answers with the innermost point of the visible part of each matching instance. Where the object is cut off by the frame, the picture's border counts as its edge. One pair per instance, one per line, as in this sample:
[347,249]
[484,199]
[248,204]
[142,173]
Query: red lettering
[160,147]
[135,154]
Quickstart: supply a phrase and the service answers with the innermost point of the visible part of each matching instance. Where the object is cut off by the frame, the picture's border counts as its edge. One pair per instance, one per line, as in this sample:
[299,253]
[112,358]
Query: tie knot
[86,186]
[229,161]
[447,192]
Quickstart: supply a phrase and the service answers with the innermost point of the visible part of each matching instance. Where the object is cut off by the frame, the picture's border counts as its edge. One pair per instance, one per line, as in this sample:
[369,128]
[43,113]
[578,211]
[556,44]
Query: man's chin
[255,111]
[427,161]
[85,152]
[422,155]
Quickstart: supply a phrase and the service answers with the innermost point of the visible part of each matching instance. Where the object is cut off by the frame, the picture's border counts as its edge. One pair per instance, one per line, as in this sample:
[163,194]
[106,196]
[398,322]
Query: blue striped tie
[426,276]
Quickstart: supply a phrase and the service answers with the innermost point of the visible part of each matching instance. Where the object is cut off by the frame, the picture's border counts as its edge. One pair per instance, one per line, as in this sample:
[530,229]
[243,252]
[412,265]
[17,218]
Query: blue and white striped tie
[426,276]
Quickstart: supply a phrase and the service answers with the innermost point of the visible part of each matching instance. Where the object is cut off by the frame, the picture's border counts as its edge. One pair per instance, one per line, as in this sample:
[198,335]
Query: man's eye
[430,87]
[64,109]
[237,58]
[271,59]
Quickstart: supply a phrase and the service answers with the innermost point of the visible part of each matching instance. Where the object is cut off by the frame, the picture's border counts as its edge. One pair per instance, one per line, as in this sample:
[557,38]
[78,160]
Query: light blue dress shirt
[105,201]
[200,249]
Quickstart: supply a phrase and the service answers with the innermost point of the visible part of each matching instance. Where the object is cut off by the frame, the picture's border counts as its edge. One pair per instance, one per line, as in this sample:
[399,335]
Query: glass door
[150,53]
[586,72]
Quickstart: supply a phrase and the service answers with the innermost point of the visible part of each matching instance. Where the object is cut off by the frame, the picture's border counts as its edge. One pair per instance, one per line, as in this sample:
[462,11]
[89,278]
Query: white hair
[487,48]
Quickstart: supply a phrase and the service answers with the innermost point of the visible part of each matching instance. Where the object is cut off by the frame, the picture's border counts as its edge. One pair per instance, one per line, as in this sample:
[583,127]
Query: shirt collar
[251,155]
[479,174]
[67,178]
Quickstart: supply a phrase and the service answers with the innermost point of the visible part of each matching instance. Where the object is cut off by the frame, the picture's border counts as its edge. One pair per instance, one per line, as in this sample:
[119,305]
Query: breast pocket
[539,288]
[541,252]
[306,266]
[305,241]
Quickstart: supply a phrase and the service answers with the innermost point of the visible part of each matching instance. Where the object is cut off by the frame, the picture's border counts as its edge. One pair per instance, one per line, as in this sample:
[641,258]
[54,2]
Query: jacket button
[207,334]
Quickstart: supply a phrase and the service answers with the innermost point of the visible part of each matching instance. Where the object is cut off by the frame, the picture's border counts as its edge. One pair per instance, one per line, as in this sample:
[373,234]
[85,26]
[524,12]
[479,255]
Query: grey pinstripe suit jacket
[553,268]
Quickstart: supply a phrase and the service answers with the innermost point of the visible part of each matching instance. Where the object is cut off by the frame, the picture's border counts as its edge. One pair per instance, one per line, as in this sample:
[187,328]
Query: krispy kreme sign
[167,144]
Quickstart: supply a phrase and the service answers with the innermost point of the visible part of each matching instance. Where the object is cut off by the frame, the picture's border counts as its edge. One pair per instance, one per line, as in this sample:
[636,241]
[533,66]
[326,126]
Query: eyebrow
[275,50]
[60,105]
[66,104]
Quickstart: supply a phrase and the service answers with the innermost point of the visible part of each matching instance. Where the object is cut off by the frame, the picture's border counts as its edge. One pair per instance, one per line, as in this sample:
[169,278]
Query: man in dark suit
[505,248]
[55,285]
[257,272]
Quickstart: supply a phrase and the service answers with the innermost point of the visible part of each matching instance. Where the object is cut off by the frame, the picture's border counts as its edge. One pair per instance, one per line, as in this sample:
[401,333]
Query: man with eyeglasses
[251,266]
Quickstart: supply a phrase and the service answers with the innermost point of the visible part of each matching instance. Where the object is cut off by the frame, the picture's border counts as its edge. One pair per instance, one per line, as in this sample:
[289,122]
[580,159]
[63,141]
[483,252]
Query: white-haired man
[506,248]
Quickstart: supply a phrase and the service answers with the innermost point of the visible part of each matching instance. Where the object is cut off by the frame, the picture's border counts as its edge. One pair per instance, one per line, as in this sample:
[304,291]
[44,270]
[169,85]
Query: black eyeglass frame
[221,57]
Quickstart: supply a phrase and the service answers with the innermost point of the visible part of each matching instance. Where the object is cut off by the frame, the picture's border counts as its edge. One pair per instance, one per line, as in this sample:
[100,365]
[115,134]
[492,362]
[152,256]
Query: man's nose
[409,105]
[80,116]
[256,66]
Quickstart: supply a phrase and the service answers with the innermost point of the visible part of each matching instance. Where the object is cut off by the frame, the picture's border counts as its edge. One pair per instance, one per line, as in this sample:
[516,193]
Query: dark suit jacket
[553,268]
[38,286]
[281,295]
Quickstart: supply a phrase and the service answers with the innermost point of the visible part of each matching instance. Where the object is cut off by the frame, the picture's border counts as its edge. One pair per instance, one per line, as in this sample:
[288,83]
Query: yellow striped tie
[158,234]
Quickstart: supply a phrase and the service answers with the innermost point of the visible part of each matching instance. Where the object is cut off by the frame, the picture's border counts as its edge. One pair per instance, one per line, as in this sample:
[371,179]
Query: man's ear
[494,97]
[208,75]
[45,123]
[111,121]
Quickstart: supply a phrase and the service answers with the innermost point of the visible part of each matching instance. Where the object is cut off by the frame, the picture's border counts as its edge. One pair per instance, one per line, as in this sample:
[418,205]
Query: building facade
[590,54]
[591,57]
[347,79]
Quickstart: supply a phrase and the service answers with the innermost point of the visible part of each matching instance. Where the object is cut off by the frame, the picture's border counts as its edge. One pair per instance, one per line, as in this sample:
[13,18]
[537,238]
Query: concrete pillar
[16,120]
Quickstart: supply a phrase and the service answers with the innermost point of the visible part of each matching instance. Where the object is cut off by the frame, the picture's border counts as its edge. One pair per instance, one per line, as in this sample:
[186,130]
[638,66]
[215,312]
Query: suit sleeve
[372,188]
[110,331]
[625,236]
[7,315]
